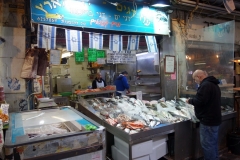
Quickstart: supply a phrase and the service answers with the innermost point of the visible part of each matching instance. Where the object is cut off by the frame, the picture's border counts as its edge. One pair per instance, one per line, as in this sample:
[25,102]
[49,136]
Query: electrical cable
[115,4]
[134,6]
[191,13]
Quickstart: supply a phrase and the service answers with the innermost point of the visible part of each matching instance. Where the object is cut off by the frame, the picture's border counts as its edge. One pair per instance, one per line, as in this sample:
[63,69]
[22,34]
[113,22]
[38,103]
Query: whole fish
[163,104]
[152,124]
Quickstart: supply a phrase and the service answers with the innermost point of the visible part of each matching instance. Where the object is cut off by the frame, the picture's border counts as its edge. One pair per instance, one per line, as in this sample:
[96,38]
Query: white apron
[100,85]
[123,92]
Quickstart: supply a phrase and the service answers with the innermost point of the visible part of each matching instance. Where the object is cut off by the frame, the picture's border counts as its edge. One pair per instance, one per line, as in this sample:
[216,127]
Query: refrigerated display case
[179,139]
[54,134]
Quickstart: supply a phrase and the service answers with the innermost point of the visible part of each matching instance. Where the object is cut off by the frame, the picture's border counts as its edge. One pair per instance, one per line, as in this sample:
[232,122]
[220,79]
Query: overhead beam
[207,10]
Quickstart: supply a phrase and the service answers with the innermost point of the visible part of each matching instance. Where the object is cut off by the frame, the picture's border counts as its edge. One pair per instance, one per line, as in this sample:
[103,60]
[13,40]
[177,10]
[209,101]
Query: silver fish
[127,130]
[163,104]
[153,123]
[133,132]
[120,126]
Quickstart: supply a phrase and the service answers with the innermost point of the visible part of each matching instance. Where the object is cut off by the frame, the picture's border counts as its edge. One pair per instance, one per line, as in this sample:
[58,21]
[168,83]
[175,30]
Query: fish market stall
[137,124]
[162,126]
[55,134]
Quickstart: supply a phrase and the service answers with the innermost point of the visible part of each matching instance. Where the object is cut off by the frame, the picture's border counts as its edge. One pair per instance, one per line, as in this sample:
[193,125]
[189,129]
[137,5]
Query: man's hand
[128,91]
[187,101]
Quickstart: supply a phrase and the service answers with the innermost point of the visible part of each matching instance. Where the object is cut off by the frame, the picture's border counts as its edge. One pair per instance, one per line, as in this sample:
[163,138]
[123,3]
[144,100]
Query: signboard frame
[101,15]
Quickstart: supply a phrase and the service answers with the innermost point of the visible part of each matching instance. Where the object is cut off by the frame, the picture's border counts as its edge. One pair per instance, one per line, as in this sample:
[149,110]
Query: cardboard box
[114,152]
[159,140]
[154,149]
[118,155]
[121,145]
[147,157]
[159,151]
[142,149]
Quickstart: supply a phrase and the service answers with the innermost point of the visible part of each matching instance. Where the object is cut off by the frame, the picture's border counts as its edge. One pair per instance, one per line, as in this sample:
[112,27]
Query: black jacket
[207,102]
[94,84]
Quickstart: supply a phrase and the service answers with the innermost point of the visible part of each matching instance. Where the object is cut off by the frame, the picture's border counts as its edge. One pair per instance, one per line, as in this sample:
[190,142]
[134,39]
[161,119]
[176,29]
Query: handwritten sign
[121,57]
[79,56]
[100,15]
[101,60]
[55,57]
[169,64]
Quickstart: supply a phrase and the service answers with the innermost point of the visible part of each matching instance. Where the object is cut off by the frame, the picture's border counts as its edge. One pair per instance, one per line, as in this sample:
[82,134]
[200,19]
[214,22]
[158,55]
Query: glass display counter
[53,134]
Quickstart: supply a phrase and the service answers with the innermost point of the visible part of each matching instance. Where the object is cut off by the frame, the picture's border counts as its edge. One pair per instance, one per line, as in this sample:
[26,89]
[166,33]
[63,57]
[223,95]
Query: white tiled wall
[12,54]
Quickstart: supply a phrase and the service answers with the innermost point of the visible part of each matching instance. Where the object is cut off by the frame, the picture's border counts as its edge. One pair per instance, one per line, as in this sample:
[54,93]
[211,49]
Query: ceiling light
[200,63]
[169,11]
[141,54]
[66,54]
[236,59]
[161,3]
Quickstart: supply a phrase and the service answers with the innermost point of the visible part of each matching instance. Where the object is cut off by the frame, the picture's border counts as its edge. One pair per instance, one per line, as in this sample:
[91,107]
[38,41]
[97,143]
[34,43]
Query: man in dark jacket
[98,82]
[122,85]
[207,106]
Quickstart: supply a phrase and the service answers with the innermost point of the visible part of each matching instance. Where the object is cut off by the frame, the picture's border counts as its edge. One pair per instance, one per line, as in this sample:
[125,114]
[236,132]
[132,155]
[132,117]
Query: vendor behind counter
[122,85]
[98,82]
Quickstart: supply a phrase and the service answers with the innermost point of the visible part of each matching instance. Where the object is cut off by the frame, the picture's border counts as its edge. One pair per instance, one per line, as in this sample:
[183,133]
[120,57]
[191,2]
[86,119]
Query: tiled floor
[223,156]
[229,156]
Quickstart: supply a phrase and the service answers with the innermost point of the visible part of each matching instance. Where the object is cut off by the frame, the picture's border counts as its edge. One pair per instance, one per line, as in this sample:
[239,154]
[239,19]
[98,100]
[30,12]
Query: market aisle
[224,156]
[229,156]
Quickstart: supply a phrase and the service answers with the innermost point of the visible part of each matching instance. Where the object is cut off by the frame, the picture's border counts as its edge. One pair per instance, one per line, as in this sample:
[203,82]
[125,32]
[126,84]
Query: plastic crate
[65,94]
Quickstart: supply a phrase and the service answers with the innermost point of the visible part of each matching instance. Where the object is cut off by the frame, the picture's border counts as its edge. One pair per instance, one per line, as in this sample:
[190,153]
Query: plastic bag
[4,112]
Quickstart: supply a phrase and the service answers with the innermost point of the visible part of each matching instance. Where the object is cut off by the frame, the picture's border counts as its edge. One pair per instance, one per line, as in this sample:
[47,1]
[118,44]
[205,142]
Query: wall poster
[169,64]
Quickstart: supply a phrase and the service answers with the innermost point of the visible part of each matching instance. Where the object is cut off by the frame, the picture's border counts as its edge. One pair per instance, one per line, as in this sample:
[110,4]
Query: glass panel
[213,53]
[29,119]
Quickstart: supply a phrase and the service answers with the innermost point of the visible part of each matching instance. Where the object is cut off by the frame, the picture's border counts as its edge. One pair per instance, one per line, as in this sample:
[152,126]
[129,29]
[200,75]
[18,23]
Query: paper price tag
[97,155]
[139,95]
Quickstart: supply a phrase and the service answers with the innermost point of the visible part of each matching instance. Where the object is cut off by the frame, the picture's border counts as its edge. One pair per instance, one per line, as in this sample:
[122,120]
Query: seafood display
[133,115]
[107,88]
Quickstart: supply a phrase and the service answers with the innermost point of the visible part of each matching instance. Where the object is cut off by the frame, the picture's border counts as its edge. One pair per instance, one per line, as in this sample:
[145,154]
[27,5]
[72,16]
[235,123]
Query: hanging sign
[219,33]
[79,56]
[101,60]
[121,57]
[100,54]
[92,55]
[124,16]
